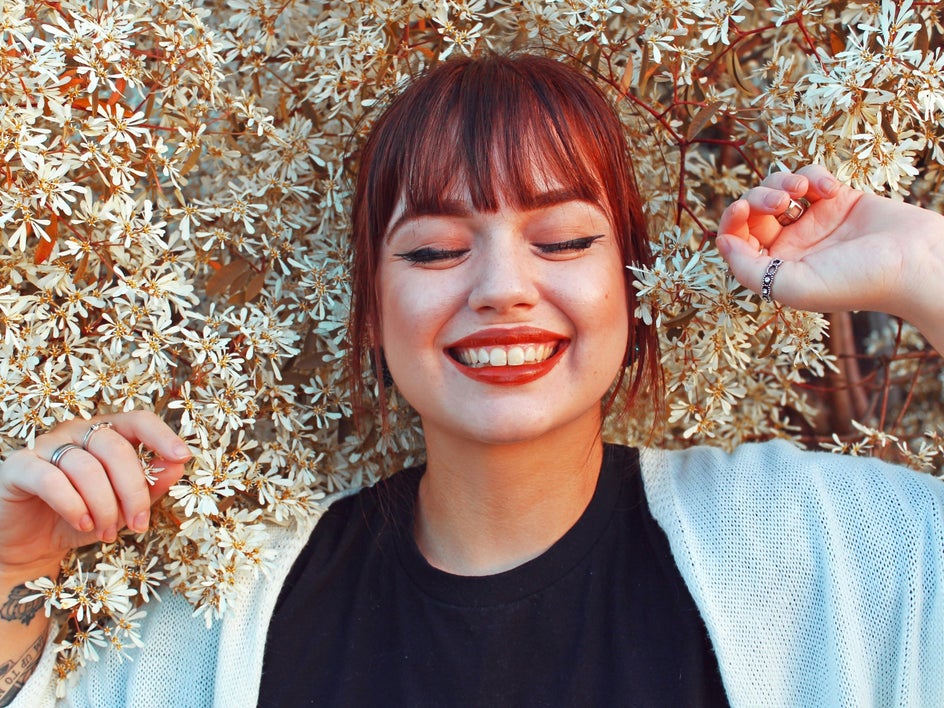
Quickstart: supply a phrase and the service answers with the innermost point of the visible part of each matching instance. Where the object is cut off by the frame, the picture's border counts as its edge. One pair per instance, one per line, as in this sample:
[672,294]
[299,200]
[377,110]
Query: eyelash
[575,244]
[431,255]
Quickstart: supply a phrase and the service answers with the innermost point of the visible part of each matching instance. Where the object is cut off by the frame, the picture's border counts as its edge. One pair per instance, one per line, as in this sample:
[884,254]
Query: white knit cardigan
[820,579]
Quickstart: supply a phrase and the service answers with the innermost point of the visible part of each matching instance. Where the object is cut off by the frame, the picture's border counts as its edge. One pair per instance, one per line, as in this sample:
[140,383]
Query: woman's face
[503,327]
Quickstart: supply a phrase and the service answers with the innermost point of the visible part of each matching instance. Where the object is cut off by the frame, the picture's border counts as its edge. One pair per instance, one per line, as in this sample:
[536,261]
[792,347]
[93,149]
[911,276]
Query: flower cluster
[174,209]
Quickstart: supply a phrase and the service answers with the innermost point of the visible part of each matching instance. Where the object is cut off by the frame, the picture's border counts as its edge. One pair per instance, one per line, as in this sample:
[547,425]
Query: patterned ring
[794,211]
[92,430]
[767,285]
[58,453]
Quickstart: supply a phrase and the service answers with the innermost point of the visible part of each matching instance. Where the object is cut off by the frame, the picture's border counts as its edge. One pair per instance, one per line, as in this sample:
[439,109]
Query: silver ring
[58,453]
[767,285]
[95,427]
[794,211]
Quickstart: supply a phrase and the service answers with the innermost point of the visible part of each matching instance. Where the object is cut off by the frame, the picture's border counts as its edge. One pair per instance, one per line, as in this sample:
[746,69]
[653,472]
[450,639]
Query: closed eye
[574,244]
[431,255]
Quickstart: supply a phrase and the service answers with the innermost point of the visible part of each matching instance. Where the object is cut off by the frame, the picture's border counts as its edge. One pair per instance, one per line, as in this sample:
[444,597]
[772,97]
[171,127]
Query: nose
[506,277]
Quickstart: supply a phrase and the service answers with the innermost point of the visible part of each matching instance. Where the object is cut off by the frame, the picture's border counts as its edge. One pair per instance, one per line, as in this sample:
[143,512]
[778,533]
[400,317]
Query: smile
[508,357]
[515,355]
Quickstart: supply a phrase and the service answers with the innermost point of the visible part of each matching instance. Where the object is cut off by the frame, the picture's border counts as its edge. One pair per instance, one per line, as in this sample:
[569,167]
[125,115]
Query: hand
[849,251]
[90,495]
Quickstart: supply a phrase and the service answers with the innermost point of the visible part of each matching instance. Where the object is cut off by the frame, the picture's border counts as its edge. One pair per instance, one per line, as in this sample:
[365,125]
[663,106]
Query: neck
[485,508]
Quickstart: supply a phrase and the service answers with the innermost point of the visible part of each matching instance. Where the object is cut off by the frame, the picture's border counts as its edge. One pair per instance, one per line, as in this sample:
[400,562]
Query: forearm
[23,629]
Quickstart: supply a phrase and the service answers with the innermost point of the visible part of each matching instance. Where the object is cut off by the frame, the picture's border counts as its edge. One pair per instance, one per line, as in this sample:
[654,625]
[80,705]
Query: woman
[527,563]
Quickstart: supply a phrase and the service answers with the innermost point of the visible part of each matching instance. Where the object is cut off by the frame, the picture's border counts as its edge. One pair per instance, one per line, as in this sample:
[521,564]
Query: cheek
[605,312]
[411,313]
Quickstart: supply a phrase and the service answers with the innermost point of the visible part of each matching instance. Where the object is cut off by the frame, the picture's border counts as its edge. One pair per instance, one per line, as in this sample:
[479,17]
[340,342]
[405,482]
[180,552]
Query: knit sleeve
[181,662]
[819,577]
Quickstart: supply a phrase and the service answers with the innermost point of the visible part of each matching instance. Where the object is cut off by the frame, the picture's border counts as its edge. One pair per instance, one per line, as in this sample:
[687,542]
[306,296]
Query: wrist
[13,574]
[923,286]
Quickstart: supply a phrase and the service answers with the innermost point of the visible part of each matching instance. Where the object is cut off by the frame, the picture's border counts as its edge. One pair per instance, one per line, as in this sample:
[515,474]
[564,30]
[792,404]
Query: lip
[509,375]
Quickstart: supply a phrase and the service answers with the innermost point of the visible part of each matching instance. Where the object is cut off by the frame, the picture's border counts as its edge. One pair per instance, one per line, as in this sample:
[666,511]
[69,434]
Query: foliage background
[174,197]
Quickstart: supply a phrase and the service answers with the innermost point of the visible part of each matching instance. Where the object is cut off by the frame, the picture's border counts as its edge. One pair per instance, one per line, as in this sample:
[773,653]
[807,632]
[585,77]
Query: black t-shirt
[602,618]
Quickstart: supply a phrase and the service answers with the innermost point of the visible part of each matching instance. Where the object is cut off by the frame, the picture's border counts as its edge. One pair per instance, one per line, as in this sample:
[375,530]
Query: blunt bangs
[473,136]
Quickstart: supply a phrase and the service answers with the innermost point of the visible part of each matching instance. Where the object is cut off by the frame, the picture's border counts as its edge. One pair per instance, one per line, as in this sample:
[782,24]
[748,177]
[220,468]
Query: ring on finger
[94,428]
[60,452]
[793,212]
[767,283]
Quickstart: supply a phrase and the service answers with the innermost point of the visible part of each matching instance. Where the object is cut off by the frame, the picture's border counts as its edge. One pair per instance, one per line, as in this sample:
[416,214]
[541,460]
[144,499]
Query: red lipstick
[508,375]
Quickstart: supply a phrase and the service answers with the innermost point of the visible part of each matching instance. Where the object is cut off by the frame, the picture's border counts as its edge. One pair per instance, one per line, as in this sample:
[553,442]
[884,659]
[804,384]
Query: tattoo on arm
[14,673]
[13,610]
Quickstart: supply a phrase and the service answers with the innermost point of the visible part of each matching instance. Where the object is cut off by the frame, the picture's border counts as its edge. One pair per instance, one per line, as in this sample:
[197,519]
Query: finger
[125,473]
[822,184]
[794,184]
[752,218]
[37,478]
[89,478]
[749,267]
[148,429]
[767,201]
[734,221]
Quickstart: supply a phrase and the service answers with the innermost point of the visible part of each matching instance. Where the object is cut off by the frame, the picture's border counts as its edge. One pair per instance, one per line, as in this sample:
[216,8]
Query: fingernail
[828,185]
[140,522]
[724,246]
[794,183]
[775,199]
[86,523]
[111,533]
[181,451]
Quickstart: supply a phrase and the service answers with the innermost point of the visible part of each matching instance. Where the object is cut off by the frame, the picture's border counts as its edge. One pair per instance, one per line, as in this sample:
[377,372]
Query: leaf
[45,246]
[889,131]
[837,43]
[254,286]
[80,270]
[682,320]
[701,119]
[191,162]
[626,80]
[223,279]
[769,346]
[643,69]
[307,362]
[735,69]
[923,38]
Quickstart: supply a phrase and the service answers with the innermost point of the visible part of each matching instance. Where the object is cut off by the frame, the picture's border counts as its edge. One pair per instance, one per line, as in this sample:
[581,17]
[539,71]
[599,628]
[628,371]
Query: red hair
[500,124]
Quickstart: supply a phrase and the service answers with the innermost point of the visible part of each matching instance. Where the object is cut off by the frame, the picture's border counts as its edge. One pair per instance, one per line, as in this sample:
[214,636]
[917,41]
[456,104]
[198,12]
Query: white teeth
[505,356]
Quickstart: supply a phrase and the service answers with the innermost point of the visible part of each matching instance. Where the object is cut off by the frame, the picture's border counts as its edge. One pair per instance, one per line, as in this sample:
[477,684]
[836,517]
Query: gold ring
[794,211]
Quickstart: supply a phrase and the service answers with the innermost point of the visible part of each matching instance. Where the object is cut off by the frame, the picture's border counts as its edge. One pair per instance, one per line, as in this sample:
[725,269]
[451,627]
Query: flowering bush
[174,209]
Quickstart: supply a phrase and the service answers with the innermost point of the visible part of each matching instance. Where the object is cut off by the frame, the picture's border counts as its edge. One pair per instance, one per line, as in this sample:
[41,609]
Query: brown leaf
[224,278]
[254,286]
[701,119]
[837,43]
[626,80]
[45,245]
[889,131]
[735,69]
[191,162]
[769,346]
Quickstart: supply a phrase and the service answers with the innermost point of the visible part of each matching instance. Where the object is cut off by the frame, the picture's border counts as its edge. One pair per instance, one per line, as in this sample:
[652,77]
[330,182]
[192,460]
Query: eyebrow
[454,207]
